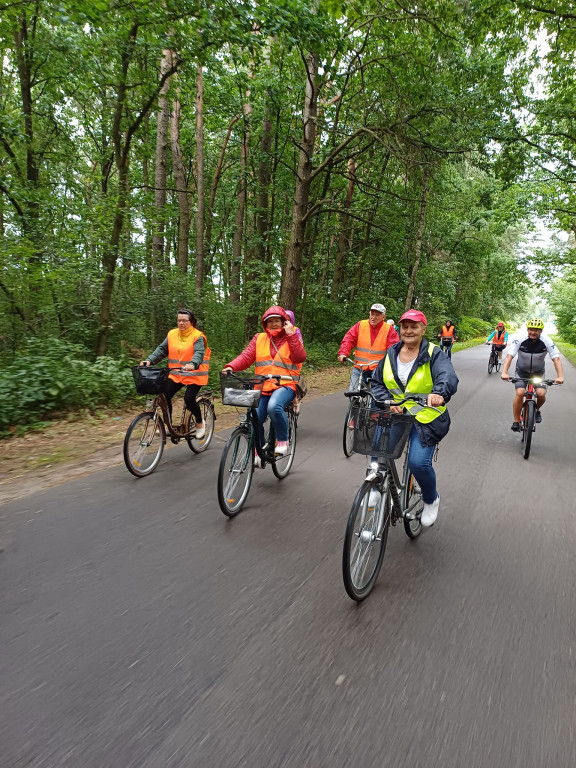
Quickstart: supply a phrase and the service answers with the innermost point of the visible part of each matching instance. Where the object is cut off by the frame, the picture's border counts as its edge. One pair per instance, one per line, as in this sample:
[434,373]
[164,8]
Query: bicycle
[146,436]
[383,499]
[237,462]
[348,434]
[528,413]
[494,362]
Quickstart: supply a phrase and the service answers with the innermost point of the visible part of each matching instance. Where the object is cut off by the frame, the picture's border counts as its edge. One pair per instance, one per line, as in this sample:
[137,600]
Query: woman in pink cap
[416,366]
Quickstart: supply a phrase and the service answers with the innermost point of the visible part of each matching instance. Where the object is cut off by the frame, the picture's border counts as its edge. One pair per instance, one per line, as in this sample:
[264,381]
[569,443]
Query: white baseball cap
[378,308]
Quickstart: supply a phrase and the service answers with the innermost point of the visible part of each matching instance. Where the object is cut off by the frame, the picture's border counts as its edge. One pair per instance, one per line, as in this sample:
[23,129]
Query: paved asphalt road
[141,628]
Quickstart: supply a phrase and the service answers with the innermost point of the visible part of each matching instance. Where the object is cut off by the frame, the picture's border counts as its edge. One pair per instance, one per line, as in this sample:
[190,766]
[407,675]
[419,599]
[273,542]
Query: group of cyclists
[397,365]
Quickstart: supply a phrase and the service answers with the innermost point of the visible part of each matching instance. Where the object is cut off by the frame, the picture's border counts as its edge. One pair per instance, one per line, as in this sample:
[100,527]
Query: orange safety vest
[281,364]
[499,339]
[180,353]
[365,352]
[447,333]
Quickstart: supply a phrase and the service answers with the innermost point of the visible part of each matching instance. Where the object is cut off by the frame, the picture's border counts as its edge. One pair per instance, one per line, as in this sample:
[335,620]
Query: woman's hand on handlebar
[227,369]
[342,358]
[396,409]
[144,363]
[434,400]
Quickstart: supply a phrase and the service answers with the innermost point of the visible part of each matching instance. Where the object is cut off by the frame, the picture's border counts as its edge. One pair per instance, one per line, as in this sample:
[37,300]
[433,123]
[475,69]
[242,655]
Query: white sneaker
[430,513]
[257,461]
[281,448]
[202,431]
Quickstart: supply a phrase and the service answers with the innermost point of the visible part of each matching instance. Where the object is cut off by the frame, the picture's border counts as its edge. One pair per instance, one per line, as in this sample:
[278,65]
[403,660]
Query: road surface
[140,628]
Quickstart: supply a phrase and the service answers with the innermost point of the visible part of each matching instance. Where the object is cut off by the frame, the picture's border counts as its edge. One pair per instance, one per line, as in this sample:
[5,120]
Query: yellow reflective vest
[420,383]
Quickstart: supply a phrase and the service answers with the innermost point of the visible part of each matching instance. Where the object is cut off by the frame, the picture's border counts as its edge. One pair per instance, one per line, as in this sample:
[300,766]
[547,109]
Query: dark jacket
[445,383]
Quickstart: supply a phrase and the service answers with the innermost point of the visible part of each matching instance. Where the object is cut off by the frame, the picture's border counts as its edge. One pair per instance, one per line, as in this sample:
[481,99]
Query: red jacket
[248,357]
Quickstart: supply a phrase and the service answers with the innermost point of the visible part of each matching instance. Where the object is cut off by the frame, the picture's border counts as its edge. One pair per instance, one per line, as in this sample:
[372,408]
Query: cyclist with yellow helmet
[531,347]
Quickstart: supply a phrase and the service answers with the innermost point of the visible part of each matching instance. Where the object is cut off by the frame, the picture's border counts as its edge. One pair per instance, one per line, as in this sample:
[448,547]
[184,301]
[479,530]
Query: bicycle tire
[412,528]
[364,545]
[491,364]
[235,472]
[529,411]
[282,466]
[348,435]
[207,410]
[144,444]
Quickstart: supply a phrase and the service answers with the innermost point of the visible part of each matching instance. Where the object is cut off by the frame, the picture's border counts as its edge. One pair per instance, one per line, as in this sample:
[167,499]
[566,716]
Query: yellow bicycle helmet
[535,322]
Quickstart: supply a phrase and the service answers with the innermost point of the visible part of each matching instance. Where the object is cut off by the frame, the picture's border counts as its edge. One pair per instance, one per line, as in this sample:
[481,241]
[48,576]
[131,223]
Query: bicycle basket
[380,433]
[149,381]
[239,392]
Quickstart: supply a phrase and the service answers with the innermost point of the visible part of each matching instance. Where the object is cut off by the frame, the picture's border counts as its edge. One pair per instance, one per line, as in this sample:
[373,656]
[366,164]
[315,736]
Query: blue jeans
[355,375]
[420,463]
[273,406]
[448,348]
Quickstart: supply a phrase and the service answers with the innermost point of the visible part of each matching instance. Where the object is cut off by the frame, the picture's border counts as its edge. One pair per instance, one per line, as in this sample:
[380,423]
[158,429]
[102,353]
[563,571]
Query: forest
[228,155]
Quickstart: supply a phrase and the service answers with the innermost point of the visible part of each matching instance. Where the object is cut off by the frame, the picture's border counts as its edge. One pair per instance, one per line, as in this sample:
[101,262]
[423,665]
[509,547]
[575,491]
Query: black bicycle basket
[239,391]
[148,380]
[380,433]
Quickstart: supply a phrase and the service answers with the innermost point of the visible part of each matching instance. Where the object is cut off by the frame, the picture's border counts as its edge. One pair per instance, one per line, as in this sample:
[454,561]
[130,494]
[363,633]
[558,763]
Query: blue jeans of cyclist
[355,375]
[420,463]
[273,406]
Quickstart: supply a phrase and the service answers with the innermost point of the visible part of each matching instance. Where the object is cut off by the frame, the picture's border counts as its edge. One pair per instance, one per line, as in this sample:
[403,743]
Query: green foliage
[473,328]
[52,376]
[563,303]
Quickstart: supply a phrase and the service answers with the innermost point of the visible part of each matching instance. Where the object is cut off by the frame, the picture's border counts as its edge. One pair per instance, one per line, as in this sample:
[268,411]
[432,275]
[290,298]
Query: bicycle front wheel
[144,444]
[235,472]
[283,464]
[207,410]
[528,425]
[491,364]
[348,434]
[365,540]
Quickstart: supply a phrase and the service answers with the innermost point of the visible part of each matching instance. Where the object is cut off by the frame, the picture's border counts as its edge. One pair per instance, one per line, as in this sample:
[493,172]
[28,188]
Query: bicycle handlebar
[260,376]
[361,365]
[534,382]
[420,399]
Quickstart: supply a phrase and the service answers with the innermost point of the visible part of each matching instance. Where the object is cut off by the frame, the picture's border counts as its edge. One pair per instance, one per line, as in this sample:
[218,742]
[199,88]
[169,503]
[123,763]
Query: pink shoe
[282,447]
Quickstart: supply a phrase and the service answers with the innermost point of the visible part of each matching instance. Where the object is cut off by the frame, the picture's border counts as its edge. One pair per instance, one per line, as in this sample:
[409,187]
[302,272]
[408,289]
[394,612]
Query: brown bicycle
[146,436]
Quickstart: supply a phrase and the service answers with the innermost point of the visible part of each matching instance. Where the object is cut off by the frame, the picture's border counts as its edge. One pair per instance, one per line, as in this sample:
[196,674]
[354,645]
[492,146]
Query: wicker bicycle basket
[380,433]
[148,380]
[239,392]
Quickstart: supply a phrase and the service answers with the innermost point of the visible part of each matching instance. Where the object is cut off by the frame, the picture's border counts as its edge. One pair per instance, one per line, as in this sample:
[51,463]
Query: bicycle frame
[178,431]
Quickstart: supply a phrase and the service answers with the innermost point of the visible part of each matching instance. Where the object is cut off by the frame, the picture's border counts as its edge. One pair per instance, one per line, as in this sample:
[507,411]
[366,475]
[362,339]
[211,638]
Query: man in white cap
[370,338]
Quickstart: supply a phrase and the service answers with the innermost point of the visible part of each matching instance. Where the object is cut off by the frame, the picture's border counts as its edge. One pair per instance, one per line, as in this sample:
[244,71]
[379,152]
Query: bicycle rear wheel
[235,472]
[144,444]
[412,495]
[365,541]
[207,410]
[348,434]
[528,414]
[282,465]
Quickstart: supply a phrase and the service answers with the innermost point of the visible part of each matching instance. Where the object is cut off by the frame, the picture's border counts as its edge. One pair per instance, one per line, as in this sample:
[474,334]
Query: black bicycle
[244,448]
[357,398]
[146,436]
[528,413]
[383,499]
[494,362]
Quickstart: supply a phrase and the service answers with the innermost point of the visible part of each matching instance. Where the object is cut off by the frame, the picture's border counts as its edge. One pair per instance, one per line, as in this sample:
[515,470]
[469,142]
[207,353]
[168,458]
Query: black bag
[301,387]
[149,381]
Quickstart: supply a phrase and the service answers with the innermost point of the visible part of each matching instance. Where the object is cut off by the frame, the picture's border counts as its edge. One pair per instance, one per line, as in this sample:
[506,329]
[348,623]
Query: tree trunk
[290,291]
[345,234]
[199,182]
[418,243]
[240,212]
[161,156]
[180,183]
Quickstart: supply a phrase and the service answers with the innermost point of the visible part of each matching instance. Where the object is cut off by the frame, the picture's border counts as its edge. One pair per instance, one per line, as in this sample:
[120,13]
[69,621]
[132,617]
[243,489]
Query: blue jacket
[444,379]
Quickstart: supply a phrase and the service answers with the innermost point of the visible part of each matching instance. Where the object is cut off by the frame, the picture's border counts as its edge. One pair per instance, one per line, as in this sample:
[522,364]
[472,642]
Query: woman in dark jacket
[415,366]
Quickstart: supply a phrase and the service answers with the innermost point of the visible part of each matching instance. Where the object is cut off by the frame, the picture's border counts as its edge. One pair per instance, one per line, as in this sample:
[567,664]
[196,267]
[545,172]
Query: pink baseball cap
[415,315]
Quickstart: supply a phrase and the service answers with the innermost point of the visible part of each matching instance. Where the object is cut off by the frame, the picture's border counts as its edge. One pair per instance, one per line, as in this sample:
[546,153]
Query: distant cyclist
[371,338]
[499,339]
[532,346]
[447,337]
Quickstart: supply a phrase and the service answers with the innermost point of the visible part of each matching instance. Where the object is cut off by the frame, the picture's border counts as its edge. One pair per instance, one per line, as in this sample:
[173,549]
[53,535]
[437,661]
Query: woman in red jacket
[277,350]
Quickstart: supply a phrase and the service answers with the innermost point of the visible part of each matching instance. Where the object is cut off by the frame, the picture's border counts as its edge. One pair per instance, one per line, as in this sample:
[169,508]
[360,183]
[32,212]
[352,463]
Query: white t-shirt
[404,370]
